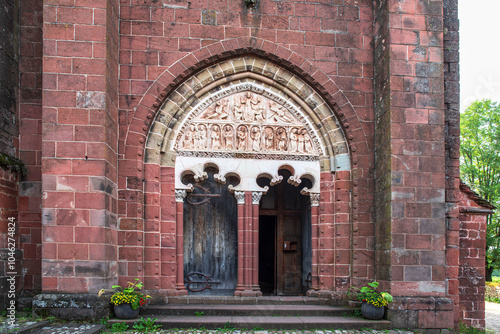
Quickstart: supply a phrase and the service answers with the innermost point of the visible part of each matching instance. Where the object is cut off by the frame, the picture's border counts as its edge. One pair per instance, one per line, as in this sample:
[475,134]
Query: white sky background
[479,50]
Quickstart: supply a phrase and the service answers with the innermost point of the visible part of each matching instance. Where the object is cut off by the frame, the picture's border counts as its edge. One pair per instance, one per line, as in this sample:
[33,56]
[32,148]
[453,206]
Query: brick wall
[410,147]
[30,139]
[9,75]
[79,161]
[9,128]
[471,271]
[472,255]
[410,169]
[161,41]
[452,148]
[9,189]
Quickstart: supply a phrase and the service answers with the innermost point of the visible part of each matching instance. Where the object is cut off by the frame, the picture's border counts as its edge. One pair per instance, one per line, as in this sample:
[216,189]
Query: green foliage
[10,163]
[119,327]
[480,166]
[128,295]
[227,327]
[464,329]
[146,326]
[199,314]
[369,295]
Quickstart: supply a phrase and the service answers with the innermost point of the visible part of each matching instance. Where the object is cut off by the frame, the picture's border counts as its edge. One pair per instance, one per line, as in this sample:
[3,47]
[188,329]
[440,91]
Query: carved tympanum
[247,122]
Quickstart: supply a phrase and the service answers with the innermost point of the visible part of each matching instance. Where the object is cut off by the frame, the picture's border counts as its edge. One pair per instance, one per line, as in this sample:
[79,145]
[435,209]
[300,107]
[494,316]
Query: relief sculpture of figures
[294,140]
[247,122]
[268,139]
[282,139]
[228,137]
[200,137]
[301,142]
[277,114]
[242,138]
[218,110]
[255,135]
[188,138]
[307,141]
[215,135]
[250,104]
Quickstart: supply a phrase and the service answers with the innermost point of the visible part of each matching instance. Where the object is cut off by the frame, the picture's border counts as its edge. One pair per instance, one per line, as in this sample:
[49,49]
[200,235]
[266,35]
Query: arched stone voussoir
[271,60]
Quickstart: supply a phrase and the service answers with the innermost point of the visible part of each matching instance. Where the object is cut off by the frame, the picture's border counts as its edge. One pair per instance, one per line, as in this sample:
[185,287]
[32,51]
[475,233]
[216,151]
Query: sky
[479,50]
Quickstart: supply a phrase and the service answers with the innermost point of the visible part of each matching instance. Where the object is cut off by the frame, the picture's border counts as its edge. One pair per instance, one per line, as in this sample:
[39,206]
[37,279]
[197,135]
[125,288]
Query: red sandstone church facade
[279,147]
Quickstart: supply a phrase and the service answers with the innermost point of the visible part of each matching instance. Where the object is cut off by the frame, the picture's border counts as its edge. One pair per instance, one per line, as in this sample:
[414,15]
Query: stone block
[82,307]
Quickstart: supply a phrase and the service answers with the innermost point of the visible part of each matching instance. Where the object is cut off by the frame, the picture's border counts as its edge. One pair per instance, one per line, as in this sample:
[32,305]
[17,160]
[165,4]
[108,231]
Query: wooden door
[210,237]
[282,210]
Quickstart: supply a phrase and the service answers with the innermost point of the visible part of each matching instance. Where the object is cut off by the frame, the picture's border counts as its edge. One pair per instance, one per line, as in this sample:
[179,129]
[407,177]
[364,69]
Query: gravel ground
[493,317]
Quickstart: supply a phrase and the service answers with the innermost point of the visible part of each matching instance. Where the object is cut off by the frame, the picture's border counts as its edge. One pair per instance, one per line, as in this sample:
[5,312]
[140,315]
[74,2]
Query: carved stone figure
[268,139]
[188,138]
[294,140]
[238,111]
[228,137]
[307,142]
[242,138]
[278,114]
[255,135]
[218,110]
[200,137]
[301,142]
[282,139]
[215,135]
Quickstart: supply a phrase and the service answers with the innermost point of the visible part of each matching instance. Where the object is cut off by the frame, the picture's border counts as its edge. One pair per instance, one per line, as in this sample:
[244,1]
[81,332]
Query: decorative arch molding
[144,118]
[262,80]
[247,74]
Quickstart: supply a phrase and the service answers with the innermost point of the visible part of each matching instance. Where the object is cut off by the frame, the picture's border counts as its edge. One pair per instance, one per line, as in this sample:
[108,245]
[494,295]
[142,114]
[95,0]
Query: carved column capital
[240,197]
[314,199]
[180,194]
[256,196]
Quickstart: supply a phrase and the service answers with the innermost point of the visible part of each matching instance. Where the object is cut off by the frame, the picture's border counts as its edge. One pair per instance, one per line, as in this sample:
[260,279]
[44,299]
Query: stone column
[256,196]
[315,240]
[180,194]
[240,200]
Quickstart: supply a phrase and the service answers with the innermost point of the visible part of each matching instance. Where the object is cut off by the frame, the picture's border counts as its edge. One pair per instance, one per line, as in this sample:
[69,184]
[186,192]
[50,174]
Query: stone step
[246,310]
[263,300]
[265,322]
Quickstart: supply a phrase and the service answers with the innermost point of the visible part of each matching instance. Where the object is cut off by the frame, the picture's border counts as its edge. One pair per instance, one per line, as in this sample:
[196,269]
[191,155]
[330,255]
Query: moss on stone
[12,164]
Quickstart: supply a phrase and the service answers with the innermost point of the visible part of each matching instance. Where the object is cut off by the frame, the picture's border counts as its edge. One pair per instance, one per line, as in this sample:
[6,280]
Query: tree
[480,166]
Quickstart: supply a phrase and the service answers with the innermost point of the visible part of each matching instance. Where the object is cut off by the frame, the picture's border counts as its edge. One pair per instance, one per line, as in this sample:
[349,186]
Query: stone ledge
[71,306]
[421,313]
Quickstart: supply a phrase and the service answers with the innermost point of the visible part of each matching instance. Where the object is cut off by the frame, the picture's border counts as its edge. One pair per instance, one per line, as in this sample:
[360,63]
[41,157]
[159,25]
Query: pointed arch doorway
[249,118]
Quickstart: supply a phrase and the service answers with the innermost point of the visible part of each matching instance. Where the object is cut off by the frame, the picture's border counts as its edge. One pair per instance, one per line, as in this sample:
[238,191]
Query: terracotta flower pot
[125,311]
[372,312]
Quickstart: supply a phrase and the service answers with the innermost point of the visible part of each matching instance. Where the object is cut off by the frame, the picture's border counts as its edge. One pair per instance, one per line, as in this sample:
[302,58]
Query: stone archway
[162,255]
[248,117]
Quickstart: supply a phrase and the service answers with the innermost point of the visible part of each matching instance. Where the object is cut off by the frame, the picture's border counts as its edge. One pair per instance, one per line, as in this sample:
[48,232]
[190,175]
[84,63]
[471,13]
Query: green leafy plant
[146,326]
[227,327]
[464,329]
[369,295]
[199,314]
[119,327]
[480,168]
[129,295]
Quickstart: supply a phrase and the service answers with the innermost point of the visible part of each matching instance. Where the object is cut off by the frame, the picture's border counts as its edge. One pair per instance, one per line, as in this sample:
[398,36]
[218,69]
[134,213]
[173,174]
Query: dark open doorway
[267,254]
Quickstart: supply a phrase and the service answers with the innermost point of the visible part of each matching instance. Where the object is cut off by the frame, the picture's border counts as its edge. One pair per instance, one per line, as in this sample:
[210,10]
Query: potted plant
[127,300]
[374,303]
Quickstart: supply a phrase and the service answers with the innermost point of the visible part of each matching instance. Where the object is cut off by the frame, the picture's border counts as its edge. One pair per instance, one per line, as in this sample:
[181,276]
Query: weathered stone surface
[71,306]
